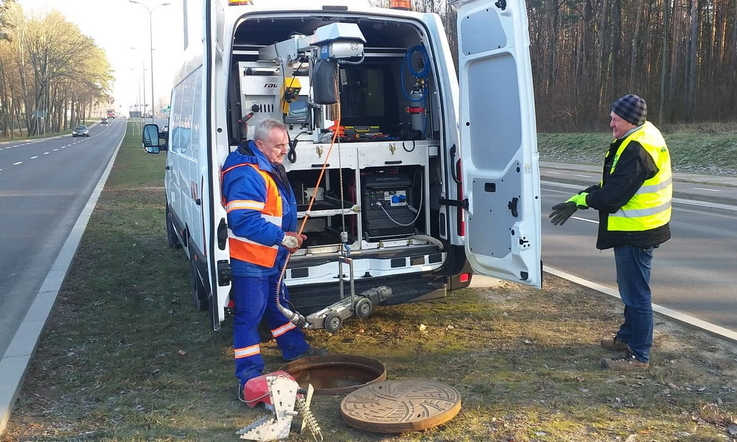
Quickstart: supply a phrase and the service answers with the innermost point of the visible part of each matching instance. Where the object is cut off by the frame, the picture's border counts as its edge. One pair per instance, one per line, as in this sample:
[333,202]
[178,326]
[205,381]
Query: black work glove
[561,212]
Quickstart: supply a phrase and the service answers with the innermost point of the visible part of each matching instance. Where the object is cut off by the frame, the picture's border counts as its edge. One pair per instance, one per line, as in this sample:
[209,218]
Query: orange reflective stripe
[247,351]
[283,329]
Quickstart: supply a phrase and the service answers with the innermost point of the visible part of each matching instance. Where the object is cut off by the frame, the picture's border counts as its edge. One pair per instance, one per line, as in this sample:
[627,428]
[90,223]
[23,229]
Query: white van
[409,175]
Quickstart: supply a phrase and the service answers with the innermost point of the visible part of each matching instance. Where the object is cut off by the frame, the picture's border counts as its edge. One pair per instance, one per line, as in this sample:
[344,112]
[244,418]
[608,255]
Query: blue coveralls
[254,286]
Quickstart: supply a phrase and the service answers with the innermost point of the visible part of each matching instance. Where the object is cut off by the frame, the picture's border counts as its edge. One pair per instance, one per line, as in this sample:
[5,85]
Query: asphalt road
[44,185]
[693,273]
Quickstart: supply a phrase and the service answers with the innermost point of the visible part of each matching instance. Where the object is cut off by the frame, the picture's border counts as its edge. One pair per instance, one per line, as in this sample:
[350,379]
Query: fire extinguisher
[417,112]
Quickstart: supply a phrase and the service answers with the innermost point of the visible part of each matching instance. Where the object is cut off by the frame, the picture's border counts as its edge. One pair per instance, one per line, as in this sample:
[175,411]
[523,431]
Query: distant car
[103,121]
[81,131]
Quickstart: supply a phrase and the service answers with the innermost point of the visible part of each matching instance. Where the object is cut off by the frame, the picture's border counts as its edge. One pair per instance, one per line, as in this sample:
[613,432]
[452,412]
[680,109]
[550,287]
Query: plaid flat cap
[631,108]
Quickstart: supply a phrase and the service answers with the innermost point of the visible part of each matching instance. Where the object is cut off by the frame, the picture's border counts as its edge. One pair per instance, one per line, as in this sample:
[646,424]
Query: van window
[176,112]
[186,102]
[196,112]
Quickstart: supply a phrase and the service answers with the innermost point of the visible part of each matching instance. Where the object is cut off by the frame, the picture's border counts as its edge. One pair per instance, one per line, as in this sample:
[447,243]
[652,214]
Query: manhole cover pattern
[398,406]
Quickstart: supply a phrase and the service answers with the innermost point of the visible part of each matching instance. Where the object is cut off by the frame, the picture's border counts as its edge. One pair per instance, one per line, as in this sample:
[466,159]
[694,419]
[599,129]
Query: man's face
[275,147]
[619,126]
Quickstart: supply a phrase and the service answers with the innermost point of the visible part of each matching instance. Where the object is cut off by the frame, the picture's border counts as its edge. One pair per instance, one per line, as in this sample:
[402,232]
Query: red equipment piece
[256,389]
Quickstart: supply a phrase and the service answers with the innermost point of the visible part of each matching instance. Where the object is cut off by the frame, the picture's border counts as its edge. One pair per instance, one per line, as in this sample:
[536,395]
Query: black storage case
[385,206]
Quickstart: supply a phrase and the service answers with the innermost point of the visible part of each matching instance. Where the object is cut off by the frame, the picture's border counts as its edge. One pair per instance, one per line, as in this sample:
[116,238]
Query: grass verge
[124,356]
[691,152]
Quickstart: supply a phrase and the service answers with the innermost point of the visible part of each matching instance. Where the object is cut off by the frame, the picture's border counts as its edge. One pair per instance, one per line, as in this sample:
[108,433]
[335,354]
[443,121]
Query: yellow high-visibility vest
[650,207]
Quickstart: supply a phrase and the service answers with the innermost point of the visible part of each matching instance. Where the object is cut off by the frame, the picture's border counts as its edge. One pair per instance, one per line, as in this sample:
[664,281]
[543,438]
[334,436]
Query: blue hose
[419,75]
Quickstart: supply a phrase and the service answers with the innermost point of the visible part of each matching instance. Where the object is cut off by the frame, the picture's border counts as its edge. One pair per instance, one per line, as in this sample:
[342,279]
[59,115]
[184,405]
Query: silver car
[81,131]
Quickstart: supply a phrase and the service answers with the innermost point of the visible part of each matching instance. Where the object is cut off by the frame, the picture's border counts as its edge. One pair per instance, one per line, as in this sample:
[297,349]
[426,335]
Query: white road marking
[708,190]
[34,157]
[46,153]
[584,219]
[55,150]
[583,176]
[555,173]
[19,162]
[678,316]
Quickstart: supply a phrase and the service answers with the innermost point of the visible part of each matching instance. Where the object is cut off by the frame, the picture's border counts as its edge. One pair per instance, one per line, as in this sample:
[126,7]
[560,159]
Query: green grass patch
[125,357]
[692,151]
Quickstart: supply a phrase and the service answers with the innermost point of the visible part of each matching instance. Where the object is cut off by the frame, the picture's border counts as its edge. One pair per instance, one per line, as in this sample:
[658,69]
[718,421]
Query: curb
[715,180]
[682,318]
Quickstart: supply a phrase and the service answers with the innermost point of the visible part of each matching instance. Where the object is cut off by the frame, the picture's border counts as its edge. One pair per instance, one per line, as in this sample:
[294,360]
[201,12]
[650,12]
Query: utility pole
[151,47]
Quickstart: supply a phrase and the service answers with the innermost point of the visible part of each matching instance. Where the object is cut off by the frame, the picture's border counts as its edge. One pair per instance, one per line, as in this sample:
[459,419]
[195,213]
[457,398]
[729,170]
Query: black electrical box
[386,207]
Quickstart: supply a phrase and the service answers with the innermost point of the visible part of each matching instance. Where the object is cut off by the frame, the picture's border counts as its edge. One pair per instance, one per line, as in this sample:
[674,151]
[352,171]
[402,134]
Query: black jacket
[634,166]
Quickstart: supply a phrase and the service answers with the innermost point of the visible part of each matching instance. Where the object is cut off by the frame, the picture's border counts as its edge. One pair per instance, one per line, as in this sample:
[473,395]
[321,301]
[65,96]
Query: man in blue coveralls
[262,224]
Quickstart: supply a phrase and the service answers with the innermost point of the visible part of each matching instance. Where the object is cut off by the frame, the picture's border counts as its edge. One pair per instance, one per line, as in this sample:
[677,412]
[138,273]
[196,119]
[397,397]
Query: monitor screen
[362,92]
[368,96]
[299,111]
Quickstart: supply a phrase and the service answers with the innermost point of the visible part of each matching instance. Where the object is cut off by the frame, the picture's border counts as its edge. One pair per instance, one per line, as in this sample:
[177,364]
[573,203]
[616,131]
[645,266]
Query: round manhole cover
[399,406]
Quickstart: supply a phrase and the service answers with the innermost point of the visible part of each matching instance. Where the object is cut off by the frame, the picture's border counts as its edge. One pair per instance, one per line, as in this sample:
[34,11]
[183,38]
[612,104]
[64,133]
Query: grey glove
[561,212]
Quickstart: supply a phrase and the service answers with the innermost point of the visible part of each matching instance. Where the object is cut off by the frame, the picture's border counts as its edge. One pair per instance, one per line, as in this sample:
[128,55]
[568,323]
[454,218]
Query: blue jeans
[255,298]
[633,279]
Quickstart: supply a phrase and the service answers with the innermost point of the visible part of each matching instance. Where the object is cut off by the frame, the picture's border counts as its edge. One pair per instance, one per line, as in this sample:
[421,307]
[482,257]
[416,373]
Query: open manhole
[400,406]
[336,374]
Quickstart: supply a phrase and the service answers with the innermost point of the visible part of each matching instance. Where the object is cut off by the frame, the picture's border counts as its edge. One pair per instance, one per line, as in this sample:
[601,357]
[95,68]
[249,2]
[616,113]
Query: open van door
[218,259]
[498,140]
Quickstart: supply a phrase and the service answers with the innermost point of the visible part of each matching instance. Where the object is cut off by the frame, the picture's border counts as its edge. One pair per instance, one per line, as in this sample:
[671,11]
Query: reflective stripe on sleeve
[245,204]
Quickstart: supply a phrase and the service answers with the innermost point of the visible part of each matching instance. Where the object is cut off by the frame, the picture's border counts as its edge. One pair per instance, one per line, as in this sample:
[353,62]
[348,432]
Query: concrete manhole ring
[336,374]
[399,406]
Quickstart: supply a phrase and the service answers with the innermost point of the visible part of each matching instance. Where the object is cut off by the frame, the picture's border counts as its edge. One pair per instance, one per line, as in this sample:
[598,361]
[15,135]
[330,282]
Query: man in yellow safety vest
[634,204]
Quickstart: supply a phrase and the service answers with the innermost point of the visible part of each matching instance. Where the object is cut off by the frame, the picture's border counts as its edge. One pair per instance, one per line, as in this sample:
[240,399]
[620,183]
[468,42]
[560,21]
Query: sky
[121,29]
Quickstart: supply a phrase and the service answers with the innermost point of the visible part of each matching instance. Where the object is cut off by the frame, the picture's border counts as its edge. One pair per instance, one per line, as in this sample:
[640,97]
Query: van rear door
[214,221]
[501,179]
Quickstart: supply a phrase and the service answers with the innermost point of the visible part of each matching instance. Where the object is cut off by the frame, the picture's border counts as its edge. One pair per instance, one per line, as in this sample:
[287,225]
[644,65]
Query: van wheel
[171,235]
[199,294]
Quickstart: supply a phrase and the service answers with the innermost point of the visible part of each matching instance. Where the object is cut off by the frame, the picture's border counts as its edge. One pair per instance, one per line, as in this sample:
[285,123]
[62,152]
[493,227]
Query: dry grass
[124,357]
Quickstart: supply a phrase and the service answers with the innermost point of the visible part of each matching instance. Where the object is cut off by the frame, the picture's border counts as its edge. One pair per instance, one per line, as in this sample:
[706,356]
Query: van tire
[199,294]
[171,234]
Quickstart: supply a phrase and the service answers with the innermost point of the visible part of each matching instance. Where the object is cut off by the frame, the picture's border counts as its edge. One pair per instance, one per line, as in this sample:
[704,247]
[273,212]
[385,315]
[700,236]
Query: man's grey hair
[264,127]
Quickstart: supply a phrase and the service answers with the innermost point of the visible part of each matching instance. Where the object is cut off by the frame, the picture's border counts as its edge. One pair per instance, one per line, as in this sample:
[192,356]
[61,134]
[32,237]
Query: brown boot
[613,344]
[625,361]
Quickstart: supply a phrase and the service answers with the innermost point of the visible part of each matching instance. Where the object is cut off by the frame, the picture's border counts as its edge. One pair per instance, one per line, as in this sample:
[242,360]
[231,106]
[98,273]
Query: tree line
[51,76]
[680,55]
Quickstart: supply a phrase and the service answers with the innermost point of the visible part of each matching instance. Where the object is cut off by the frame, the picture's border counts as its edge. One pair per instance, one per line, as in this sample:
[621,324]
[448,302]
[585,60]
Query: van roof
[301,4]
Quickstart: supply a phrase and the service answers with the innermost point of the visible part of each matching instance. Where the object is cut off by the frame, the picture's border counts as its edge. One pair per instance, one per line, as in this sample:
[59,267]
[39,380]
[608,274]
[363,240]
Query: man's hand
[561,212]
[292,241]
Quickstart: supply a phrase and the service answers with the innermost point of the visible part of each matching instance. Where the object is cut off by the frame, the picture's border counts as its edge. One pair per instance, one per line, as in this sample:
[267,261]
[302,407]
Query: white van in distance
[400,167]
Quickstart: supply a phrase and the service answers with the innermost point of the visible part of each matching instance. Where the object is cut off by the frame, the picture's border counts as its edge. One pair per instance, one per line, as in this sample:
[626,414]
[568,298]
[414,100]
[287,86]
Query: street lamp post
[151,46]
